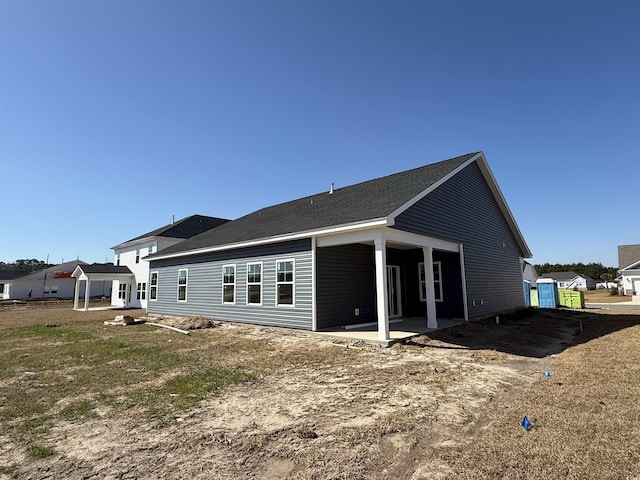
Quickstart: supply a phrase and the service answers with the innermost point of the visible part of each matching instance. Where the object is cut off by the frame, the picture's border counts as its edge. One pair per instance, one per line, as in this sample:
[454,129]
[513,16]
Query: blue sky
[117,115]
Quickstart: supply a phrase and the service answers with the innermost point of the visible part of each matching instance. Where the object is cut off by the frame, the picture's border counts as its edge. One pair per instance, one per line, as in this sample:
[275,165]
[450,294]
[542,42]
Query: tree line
[597,271]
[24,266]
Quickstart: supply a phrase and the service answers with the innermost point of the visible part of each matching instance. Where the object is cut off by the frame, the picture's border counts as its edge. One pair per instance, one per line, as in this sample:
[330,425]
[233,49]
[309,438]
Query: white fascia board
[632,266]
[279,238]
[400,236]
[389,235]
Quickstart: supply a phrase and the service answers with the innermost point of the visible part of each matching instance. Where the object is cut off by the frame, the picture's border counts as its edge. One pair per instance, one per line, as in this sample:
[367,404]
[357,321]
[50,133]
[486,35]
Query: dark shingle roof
[108,268]
[562,276]
[365,201]
[184,228]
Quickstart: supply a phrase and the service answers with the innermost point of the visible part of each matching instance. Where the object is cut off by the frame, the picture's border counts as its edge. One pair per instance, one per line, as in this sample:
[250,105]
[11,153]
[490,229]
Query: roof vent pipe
[173,219]
[331,190]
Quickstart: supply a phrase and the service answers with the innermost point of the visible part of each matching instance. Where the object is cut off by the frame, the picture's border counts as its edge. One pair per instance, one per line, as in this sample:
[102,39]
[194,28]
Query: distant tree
[591,270]
[23,266]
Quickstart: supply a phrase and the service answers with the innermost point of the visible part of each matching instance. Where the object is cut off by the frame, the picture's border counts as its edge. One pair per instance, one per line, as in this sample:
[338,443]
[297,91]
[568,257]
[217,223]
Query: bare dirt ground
[430,408]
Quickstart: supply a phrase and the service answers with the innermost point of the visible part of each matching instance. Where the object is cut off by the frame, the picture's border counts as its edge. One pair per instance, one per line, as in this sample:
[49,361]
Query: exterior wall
[126,256]
[345,280]
[52,287]
[463,210]
[631,282]
[204,286]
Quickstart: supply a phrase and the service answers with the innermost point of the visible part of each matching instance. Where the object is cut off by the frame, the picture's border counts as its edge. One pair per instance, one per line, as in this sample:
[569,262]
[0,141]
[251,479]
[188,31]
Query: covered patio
[99,272]
[385,278]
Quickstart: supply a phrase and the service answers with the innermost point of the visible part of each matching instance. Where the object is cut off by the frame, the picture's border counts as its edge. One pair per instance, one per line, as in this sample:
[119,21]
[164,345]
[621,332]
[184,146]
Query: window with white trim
[183,280]
[254,283]
[285,274]
[122,291]
[153,286]
[142,291]
[137,255]
[437,281]
[228,284]
[117,259]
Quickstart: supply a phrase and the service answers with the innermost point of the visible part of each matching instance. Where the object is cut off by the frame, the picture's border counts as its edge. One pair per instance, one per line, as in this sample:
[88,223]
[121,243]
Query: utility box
[547,293]
[571,298]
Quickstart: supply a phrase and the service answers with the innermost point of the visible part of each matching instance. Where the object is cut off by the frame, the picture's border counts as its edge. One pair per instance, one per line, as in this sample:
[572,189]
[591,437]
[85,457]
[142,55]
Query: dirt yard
[446,405]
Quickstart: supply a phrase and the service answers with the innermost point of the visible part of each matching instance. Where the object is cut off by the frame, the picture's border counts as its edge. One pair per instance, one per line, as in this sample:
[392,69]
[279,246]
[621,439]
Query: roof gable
[377,200]
[632,266]
[628,255]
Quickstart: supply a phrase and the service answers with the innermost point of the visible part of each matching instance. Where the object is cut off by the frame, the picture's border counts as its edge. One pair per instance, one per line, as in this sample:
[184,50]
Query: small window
[254,283]
[437,281]
[153,286]
[142,291]
[228,284]
[122,291]
[150,249]
[117,259]
[284,282]
[182,285]
[137,255]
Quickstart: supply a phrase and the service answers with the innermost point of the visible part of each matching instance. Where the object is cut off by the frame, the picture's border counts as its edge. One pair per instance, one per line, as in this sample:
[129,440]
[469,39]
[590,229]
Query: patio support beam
[432,320]
[381,287]
[76,294]
[87,291]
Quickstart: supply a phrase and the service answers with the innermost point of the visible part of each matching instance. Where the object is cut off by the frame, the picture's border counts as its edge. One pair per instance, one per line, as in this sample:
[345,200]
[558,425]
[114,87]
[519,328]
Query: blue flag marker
[547,373]
[526,424]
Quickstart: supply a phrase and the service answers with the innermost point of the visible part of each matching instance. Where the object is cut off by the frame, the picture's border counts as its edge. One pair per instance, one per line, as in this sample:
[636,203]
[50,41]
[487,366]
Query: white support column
[432,320]
[76,295]
[87,290]
[381,287]
[464,283]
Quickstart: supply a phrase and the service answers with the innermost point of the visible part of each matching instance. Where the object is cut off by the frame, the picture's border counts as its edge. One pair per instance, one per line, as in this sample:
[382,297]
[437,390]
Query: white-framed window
[150,249]
[122,291]
[142,291]
[254,283]
[137,255]
[228,284]
[183,281]
[437,281]
[153,286]
[285,276]
[117,259]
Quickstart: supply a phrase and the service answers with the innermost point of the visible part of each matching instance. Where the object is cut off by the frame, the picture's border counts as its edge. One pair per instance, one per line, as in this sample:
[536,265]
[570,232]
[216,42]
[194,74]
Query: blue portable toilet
[527,293]
[547,293]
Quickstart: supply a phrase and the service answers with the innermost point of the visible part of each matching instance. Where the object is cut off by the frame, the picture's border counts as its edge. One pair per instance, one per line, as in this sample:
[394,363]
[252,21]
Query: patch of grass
[40,451]
[191,388]
[83,409]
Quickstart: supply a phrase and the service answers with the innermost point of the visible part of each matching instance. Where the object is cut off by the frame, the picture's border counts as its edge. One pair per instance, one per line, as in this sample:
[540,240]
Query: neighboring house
[571,280]
[435,241]
[130,287]
[52,282]
[629,268]
[529,274]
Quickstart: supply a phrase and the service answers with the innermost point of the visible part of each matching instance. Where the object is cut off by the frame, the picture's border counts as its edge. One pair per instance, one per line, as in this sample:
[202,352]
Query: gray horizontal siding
[345,281]
[463,210]
[204,291]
